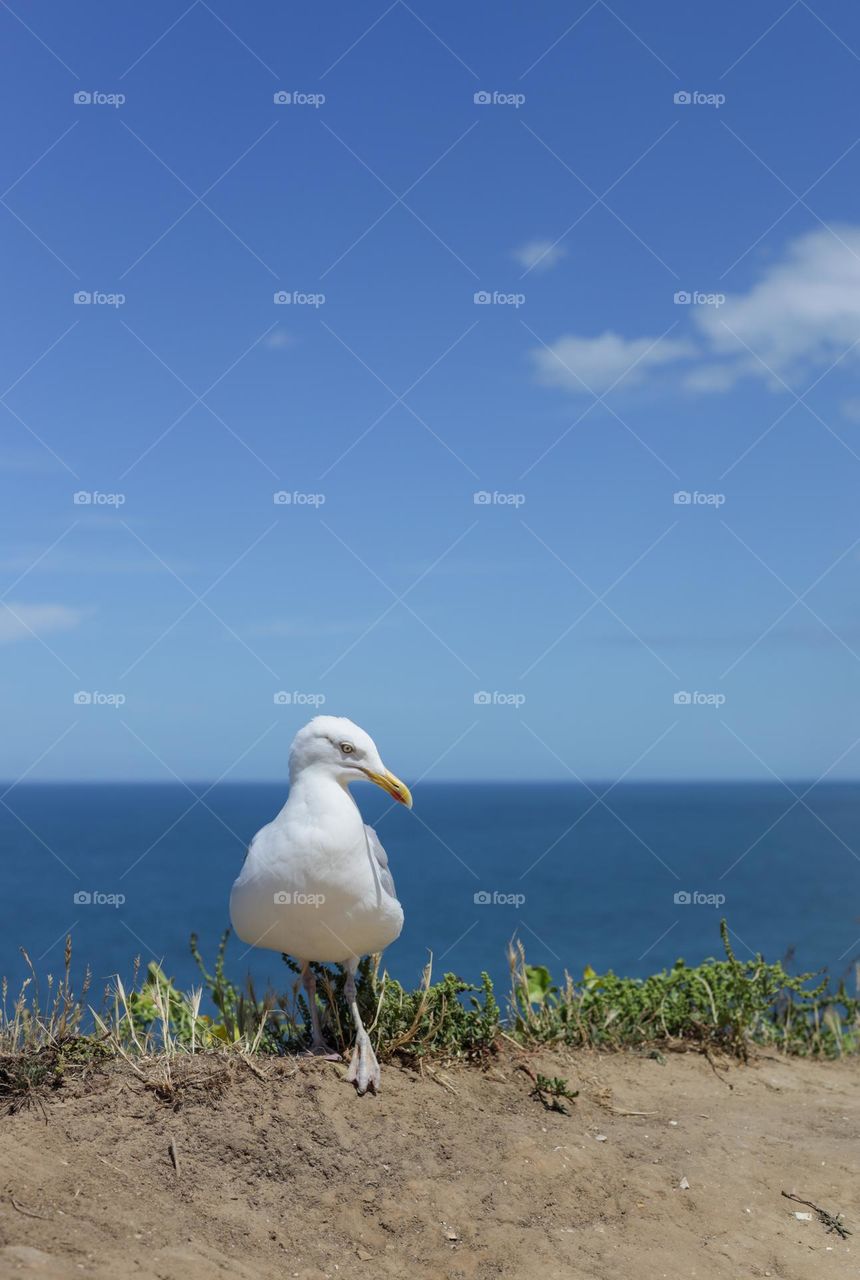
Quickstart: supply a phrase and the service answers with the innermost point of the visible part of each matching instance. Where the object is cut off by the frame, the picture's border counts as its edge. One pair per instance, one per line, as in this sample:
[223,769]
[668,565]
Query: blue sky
[581,198]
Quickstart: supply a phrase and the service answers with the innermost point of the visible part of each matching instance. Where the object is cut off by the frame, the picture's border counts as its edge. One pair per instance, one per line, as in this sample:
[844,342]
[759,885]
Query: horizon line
[433,782]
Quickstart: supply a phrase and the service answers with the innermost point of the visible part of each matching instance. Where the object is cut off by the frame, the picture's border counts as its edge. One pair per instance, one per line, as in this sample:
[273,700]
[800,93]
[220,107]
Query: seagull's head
[339,748]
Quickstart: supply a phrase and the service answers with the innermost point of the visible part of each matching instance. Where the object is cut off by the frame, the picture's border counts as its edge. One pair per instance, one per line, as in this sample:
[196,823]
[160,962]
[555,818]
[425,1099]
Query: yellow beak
[395,788]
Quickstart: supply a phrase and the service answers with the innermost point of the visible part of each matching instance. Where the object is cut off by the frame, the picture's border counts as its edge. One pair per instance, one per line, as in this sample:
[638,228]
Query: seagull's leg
[364,1070]
[319,1047]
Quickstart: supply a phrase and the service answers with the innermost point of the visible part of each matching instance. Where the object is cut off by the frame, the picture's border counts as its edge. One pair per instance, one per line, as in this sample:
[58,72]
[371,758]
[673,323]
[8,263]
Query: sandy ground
[284,1172]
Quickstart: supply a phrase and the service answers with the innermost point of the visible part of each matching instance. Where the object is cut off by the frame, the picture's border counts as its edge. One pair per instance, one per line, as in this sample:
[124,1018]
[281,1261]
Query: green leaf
[539,982]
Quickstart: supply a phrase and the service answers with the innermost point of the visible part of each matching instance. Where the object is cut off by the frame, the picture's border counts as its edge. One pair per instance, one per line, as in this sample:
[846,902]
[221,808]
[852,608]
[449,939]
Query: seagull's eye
[347,748]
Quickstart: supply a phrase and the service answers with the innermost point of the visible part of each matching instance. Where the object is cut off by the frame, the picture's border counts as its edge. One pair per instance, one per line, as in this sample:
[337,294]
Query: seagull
[315,882]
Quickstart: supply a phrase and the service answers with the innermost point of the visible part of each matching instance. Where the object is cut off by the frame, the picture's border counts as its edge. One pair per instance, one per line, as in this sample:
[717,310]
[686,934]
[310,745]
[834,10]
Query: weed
[552,1092]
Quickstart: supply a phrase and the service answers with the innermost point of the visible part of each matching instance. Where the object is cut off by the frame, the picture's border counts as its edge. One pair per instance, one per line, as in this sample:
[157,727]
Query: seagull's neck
[316,793]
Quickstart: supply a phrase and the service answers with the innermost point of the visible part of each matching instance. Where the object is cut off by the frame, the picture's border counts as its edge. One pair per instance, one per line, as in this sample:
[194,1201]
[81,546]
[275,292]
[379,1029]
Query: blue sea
[631,883]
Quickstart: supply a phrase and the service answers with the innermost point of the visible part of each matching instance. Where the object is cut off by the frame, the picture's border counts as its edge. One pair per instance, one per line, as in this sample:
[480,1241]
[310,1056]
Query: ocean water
[475,864]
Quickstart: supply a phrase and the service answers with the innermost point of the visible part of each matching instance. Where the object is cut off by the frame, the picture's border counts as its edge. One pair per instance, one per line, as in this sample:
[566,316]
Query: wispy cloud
[19,621]
[539,255]
[850,409]
[278,340]
[595,364]
[803,315]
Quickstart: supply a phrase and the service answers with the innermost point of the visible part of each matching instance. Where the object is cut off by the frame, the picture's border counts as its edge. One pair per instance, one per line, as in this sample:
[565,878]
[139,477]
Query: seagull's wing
[381,857]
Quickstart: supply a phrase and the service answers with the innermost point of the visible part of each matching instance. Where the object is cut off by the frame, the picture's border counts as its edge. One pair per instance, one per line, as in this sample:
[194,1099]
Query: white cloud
[19,621]
[599,362]
[800,317]
[711,377]
[539,255]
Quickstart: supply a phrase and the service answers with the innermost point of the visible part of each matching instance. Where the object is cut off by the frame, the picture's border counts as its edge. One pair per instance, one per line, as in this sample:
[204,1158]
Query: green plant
[266,1024]
[158,1030]
[434,1020]
[552,1092]
[447,1019]
[728,1004]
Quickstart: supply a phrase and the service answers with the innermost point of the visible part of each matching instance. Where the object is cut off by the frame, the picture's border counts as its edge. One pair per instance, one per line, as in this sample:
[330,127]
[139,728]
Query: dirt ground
[283,1172]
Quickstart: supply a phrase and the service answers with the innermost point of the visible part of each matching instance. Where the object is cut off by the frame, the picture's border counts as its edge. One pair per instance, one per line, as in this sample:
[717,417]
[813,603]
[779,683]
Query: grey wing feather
[385,877]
